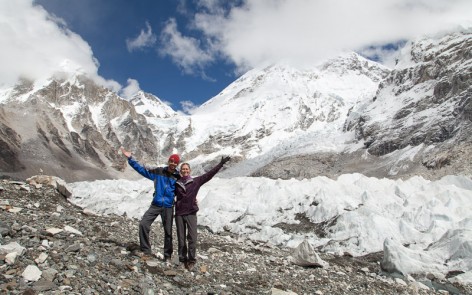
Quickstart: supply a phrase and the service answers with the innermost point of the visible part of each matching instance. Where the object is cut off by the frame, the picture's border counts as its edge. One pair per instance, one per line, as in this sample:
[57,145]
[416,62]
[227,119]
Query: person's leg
[191,221]
[167,222]
[182,244]
[145,227]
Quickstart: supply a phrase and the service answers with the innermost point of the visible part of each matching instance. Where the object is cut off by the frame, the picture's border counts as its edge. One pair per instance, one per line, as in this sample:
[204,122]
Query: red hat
[175,158]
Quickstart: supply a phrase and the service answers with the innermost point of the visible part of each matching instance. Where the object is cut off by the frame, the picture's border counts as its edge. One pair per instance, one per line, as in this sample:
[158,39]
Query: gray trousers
[187,228]
[167,216]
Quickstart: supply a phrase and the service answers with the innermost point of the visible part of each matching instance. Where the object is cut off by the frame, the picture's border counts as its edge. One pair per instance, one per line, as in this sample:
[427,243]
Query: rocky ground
[62,249]
[452,159]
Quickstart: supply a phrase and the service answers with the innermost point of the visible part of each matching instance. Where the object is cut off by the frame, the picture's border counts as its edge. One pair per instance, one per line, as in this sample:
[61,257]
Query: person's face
[185,170]
[172,165]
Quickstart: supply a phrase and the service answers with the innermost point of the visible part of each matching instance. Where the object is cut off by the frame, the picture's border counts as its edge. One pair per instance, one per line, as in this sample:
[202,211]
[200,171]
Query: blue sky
[110,25]
[187,51]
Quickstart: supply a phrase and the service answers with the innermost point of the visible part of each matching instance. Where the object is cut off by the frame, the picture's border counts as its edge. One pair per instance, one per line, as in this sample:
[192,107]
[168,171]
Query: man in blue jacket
[162,203]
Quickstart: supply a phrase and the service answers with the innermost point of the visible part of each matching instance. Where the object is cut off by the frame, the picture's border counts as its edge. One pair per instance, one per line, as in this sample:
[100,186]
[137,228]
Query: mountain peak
[151,106]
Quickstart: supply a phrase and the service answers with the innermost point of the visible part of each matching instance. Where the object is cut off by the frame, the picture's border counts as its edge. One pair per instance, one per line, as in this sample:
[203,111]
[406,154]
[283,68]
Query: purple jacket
[186,191]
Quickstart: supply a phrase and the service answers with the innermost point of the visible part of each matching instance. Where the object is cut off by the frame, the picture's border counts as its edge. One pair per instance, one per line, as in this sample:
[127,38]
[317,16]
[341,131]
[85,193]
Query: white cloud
[186,52]
[35,45]
[131,89]
[188,106]
[145,39]
[307,31]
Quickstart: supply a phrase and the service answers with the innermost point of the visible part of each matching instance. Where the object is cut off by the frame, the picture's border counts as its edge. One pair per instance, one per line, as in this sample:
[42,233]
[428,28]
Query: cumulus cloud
[130,89]
[306,31]
[145,39]
[184,51]
[246,33]
[36,44]
[187,106]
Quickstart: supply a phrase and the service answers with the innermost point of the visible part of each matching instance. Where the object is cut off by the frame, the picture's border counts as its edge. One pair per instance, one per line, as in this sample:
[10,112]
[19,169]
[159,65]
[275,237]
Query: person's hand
[125,152]
[224,160]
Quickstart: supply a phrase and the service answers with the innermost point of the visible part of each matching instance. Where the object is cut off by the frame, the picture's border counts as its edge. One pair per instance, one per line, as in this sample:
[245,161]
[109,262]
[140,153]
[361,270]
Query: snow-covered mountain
[424,106]
[280,111]
[345,115]
[69,128]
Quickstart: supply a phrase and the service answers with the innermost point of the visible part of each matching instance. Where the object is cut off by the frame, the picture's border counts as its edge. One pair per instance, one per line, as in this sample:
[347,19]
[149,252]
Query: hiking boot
[190,266]
[167,260]
[147,256]
[183,264]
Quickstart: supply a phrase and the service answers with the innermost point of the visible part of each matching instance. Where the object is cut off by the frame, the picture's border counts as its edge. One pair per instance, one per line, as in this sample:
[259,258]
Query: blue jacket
[164,183]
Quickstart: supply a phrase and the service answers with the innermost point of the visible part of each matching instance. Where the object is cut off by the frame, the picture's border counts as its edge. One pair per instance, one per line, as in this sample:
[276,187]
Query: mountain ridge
[345,115]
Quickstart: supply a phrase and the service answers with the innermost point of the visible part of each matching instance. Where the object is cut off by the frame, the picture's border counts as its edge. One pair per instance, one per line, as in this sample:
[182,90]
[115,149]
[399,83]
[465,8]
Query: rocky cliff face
[429,95]
[10,143]
[435,94]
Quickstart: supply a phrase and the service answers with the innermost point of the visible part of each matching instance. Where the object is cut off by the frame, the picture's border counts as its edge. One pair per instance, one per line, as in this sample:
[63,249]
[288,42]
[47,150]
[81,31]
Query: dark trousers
[187,228]
[167,215]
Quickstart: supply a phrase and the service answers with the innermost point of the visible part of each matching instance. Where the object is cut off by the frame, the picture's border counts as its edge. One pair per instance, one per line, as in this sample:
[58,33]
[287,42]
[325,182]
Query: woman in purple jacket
[186,208]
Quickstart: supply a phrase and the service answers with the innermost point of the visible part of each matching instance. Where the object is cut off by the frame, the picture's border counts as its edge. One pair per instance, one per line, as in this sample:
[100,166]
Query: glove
[224,160]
